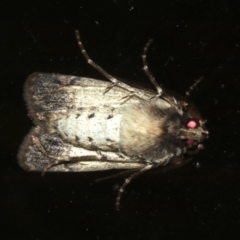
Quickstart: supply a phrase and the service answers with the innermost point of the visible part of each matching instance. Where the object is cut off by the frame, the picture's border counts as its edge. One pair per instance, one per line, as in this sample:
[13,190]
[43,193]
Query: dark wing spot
[90,139]
[91,115]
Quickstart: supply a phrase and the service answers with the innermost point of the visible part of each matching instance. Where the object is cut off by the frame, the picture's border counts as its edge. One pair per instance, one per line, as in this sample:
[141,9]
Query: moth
[84,124]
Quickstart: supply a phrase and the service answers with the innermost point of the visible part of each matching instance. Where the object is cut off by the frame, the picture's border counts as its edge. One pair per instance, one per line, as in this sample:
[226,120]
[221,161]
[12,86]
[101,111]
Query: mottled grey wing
[74,159]
[46,92]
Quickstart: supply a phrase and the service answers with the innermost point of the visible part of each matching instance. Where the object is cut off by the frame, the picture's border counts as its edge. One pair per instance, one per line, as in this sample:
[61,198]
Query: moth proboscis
[84,124]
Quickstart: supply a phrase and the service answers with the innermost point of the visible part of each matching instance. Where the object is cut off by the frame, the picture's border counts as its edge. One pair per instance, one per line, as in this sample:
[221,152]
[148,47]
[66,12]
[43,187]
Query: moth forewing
[84,124]
[31,158]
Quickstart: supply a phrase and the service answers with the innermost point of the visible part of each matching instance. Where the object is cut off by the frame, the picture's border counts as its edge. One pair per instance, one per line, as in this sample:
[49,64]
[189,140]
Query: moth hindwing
[84,124]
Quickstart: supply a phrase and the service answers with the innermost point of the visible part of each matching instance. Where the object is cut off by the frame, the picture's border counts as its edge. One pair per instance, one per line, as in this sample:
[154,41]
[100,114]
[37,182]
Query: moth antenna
[91,62]
[115,81]
[146,69]
[127,181]
[193,86]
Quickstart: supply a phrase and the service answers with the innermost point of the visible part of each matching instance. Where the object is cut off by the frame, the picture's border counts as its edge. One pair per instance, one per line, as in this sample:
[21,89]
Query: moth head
[193,131]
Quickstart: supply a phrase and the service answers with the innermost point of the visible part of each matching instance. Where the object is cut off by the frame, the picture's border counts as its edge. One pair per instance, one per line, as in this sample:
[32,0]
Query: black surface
[203,37]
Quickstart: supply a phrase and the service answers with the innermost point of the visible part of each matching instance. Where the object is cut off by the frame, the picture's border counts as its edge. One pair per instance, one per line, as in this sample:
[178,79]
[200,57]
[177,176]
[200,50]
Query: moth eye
[192,123]
[189,142]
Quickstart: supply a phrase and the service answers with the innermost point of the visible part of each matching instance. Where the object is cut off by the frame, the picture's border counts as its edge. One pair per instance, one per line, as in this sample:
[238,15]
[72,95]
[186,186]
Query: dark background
[191,39]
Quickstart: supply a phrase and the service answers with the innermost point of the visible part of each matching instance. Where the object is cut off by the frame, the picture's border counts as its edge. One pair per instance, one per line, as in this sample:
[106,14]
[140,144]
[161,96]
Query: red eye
[192,123]
[189,142]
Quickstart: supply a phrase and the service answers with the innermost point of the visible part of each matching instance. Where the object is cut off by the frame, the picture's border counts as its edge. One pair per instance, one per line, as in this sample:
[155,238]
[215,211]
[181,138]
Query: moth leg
[147,71]
[126,98]
[54,163]
[120,174]
[115,82]
[40,147]
[128,180]
[57,159]
[50,165]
